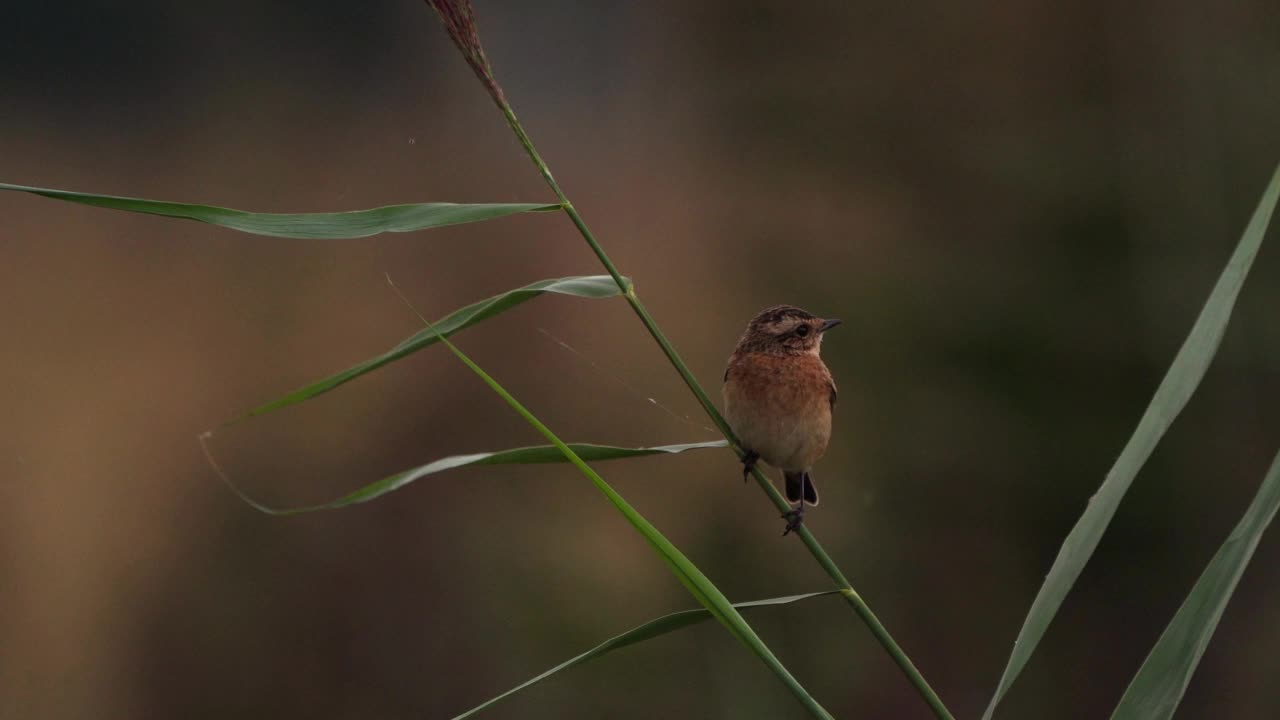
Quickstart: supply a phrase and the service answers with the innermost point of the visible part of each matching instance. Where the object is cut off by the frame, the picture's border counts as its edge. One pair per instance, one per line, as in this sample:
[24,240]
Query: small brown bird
[778,398]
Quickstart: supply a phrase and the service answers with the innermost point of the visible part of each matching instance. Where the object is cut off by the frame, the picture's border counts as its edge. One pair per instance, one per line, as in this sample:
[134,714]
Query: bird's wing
[831,384]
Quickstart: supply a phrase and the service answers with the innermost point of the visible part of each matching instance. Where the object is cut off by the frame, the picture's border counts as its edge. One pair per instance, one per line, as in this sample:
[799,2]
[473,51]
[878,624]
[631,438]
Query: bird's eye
[802,331]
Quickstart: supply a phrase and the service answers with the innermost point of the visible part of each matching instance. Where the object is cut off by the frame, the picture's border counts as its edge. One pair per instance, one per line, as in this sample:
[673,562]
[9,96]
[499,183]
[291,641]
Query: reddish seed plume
[460,22]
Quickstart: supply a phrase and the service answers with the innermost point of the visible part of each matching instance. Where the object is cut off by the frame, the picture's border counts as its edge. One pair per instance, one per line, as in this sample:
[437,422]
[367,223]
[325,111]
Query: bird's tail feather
[801,484]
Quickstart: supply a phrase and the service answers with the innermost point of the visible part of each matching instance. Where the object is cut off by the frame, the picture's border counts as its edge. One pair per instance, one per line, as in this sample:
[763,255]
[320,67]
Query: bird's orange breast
[780,406]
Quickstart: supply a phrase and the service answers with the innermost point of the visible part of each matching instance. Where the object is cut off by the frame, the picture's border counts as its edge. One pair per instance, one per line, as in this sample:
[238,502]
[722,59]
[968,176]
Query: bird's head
[785,329]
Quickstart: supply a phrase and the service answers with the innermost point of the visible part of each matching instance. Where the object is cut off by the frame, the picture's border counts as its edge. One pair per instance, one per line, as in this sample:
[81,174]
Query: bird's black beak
[827,325]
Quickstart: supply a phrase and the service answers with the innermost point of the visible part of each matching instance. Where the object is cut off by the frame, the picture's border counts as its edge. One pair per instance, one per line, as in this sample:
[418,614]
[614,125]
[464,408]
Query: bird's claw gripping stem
[794,518]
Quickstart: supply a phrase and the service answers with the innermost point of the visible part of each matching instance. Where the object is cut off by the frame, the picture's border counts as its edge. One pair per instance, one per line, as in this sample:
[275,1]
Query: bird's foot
[794,518]
[748,464]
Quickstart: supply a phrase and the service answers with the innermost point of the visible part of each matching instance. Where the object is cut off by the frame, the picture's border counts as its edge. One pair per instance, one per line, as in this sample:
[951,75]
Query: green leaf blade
[583,286]
[1184,375]
[1158,687]
[535,455]
[693,579]
[647,631]
[306,226]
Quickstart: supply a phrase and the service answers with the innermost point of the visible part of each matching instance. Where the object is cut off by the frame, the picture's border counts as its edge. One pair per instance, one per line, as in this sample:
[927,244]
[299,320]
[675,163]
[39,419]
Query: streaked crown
[784,329]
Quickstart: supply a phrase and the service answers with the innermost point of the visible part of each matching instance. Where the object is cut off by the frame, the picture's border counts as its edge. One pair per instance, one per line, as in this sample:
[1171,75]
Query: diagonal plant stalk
[459,22]
[815,548]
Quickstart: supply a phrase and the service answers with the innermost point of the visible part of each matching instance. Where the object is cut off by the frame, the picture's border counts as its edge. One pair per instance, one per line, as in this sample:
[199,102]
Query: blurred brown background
[1017,208]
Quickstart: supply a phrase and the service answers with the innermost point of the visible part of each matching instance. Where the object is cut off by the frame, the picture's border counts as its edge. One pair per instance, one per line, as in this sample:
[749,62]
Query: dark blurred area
[1016,208]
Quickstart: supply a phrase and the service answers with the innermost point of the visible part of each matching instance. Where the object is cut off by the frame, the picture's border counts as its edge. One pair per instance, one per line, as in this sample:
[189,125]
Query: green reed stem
[815,548]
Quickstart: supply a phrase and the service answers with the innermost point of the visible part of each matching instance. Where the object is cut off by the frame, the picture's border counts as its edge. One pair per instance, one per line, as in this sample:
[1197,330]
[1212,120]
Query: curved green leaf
[1160,683]
[587,286]
[517,456]
[1175,390]
[307,226]
[693,579]
[652,629]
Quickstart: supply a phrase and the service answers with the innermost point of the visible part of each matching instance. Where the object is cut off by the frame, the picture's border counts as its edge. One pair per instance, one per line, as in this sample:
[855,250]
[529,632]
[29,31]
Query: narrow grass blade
[1184,376]
[517,456]
[698,584]
[586,286]
[307,226]
[648,631]
[1160,683]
